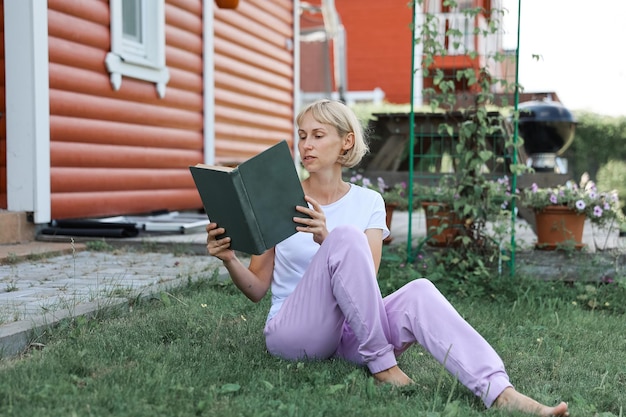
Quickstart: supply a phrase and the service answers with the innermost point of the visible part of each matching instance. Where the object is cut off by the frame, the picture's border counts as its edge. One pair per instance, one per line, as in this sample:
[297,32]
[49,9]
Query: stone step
[15,227]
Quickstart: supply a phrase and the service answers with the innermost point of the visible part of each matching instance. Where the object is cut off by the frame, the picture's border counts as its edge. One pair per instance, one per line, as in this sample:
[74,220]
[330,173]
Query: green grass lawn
[199,351]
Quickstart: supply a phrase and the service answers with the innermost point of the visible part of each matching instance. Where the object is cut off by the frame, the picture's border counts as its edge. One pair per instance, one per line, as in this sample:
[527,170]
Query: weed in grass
[11,286]
[11,258]
[99,246]
[149,246]
[36,256]
[182,249]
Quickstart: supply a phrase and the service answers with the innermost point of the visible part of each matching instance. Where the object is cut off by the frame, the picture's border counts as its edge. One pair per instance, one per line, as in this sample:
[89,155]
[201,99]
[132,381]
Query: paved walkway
[42,283]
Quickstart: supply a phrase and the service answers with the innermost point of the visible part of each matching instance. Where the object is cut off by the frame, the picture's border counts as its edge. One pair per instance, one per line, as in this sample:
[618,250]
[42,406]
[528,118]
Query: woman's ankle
[394,376]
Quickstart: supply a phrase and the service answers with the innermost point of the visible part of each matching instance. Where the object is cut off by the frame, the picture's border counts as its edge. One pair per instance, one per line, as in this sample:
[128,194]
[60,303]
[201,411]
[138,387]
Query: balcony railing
[456,32]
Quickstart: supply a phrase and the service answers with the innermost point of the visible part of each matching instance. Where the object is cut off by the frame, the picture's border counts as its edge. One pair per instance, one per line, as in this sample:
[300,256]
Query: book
[255,202]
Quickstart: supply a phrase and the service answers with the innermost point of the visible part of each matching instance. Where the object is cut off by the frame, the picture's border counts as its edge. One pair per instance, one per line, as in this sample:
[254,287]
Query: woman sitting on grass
[325,298]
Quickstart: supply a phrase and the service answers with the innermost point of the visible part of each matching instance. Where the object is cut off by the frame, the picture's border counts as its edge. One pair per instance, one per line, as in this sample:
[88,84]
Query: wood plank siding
[379,46]
[126,151]
[3,124]
[254,78]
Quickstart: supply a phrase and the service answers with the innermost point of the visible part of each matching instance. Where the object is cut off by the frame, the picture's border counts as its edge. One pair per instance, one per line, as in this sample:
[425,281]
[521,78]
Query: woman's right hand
[220,248]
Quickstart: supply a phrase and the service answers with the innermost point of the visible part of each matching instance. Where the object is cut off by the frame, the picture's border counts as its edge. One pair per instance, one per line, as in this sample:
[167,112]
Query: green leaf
[267,385]
[485,155]
[438,78]
[334,388]
[229,388]
[165,299]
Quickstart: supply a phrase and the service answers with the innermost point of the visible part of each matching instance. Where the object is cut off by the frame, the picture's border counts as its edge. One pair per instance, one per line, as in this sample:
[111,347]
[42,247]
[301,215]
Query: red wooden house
[105,103]
[378,45]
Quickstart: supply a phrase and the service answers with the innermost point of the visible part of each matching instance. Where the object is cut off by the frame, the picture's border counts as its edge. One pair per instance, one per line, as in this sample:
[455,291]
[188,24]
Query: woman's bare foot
[512,400]
[394,376]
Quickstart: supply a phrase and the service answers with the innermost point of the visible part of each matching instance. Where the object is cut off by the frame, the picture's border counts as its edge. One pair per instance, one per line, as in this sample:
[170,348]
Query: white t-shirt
[360,207]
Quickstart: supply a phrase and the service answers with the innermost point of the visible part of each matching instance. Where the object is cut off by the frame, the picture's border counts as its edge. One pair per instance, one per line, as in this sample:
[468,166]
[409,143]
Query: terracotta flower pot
[227,4]
[389,209]
[559,226]
[439,215]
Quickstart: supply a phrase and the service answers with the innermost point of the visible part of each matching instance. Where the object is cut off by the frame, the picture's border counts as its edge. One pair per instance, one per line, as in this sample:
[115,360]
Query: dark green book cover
[254,202]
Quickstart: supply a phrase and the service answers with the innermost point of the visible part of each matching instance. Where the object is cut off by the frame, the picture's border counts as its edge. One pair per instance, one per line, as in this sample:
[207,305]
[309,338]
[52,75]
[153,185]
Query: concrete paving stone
[64,285]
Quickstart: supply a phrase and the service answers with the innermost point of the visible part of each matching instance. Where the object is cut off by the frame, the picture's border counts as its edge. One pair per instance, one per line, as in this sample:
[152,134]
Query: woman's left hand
[316,224]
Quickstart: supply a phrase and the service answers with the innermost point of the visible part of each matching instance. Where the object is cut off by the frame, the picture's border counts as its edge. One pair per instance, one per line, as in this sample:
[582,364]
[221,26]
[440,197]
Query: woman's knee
[421,288]
[346,238]
[346,234]
[424,284]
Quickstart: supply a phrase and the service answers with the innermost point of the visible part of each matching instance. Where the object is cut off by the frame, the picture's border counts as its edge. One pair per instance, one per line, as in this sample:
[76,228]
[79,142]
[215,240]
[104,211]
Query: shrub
[612,176]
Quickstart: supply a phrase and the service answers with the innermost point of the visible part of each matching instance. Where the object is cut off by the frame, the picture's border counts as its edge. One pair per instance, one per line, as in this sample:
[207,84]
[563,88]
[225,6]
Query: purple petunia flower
[597,211]
[553,199]
[580,205]
[381,185]
[534,188]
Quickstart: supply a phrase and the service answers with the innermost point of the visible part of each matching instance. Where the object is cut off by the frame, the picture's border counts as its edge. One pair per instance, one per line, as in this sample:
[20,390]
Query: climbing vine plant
[480,126]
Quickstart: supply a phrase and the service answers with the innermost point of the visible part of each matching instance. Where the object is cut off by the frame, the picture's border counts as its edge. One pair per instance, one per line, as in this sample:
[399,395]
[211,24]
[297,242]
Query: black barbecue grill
[547,128]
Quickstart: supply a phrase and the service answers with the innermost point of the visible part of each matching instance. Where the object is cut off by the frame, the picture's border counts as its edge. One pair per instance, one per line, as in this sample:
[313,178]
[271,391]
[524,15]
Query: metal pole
[515,140]
[409,249]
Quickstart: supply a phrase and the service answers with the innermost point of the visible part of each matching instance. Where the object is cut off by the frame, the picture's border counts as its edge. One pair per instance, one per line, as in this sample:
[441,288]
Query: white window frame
[146,60]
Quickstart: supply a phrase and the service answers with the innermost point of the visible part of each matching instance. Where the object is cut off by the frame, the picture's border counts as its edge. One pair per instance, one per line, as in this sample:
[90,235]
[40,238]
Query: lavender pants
[337,310]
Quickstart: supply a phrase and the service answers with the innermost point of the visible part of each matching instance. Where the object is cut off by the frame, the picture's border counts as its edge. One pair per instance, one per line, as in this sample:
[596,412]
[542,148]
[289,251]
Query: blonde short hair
[343,119]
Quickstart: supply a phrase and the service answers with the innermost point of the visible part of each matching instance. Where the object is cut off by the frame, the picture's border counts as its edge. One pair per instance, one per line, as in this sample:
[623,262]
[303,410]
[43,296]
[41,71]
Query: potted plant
[443,223]
[446,214]
[395,196]
[560,211]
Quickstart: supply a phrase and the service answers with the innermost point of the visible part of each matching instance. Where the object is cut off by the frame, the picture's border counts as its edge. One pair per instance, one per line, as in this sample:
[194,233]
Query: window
[138,42]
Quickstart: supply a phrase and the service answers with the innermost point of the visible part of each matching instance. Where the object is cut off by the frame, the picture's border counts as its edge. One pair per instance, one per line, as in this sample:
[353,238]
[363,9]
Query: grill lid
[546,127]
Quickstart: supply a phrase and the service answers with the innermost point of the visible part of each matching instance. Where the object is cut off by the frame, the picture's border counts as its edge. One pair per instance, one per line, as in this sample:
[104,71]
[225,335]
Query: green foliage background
[599,148]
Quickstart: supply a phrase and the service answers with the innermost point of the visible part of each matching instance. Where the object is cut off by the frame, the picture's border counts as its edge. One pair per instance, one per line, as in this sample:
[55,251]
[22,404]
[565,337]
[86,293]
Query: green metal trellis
[411,157]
